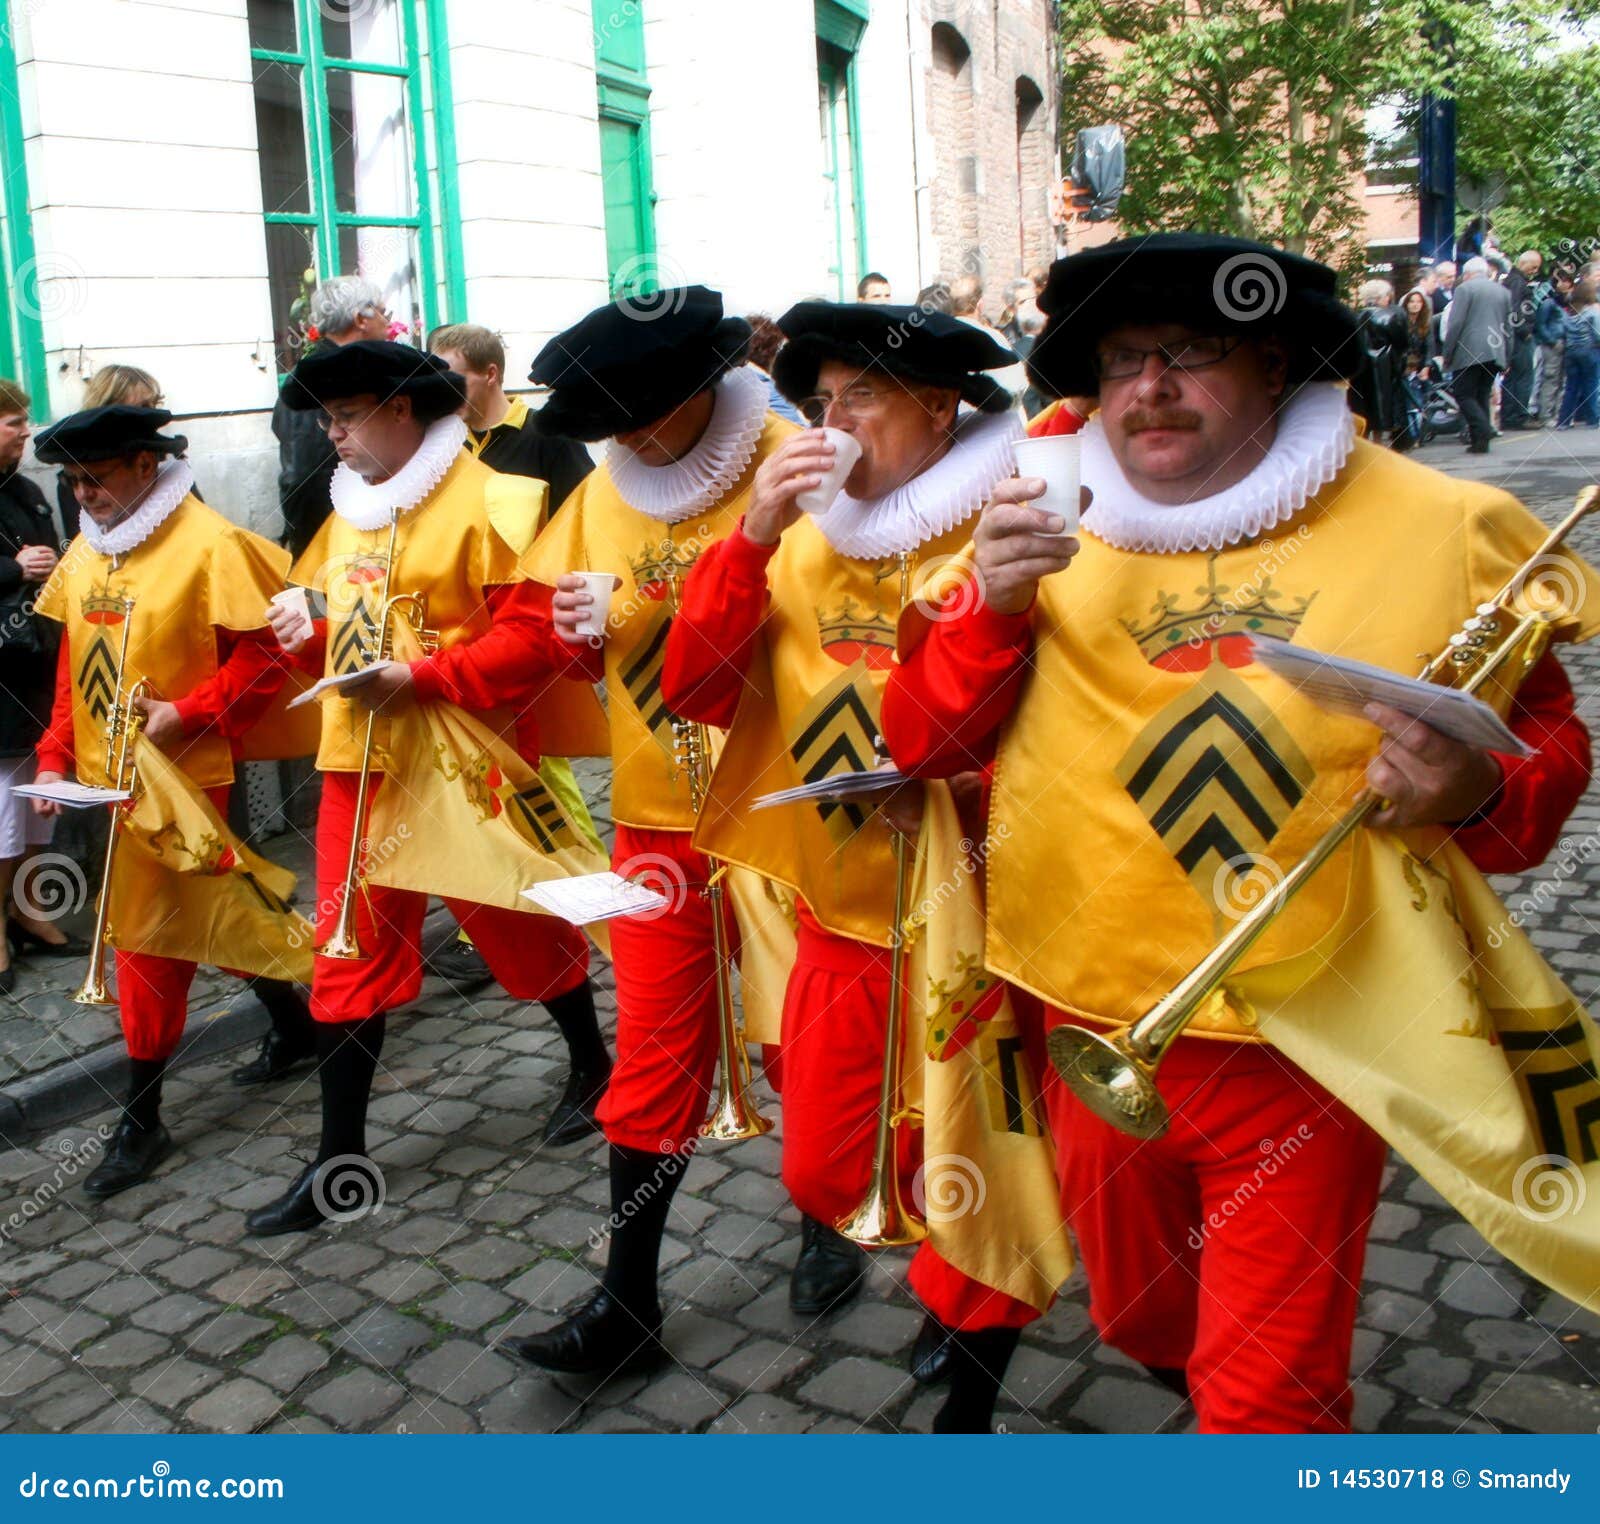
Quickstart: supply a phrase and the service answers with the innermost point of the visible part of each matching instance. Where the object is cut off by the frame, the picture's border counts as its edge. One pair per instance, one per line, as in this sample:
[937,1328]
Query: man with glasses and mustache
[392,415]
[787,636]
[1150,777]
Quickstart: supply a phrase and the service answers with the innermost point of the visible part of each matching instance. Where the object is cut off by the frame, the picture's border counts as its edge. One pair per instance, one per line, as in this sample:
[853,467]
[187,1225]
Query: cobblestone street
[152,1312]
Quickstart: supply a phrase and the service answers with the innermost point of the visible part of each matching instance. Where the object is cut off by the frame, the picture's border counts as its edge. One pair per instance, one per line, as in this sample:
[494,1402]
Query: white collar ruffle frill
[370,505]
[1316,433]
[949,492]
[174,482]
[672,493]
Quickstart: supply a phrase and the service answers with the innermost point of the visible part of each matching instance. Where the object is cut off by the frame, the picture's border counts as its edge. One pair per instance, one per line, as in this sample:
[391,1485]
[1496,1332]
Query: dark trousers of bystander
[1473,386]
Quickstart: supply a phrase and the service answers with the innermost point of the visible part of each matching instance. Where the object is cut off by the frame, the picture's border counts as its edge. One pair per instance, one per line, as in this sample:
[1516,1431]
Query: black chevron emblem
[536,815]
[838,733]
[1555,1072]
[641,675]
[1216,775]
[355,639]
[97,678]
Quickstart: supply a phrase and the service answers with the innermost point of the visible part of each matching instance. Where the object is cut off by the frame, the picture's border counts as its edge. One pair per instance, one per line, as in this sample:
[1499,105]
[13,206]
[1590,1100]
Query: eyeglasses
[1125,361]
[344,422]
[853,401]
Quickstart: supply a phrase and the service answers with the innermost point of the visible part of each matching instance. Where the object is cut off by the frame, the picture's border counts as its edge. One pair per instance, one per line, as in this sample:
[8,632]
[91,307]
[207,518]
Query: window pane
[388,258]
[291,275]
[281,134]
[371,145]
[367,31]
[272,25]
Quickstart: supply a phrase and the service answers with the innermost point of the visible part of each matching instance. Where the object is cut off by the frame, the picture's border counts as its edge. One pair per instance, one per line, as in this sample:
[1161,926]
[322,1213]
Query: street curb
[96,1080]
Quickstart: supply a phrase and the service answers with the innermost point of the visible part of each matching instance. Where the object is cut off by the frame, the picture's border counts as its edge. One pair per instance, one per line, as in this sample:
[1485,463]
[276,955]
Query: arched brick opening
[956,187]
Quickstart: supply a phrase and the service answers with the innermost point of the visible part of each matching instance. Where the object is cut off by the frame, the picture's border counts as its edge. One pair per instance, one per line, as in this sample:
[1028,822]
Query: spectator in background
[111,383]
[500,429]
[1444,285]
[936,298]
[1551,331]
[1477,338]
[341,311]
[872,287]
[1418,313]
[966,303]
[1580,401]
[1516,395]
[1377,392]
[766,338]
[27,673]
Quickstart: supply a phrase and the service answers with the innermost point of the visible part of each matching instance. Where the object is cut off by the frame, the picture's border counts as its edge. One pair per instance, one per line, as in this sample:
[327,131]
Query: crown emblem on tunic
[1251,607]
[659,563]
[855,623]
[105,608]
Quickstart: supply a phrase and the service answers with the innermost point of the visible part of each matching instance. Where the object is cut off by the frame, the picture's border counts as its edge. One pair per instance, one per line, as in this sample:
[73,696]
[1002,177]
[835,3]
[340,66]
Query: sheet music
[75,796]
[330,684]
[1345,686]
[590,897]
[836,787]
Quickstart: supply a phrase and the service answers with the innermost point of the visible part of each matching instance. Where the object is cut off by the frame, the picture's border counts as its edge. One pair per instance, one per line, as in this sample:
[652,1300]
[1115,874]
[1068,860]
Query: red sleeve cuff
[744,559]
[992,631]
[189,715]
[426,685]
[54,761]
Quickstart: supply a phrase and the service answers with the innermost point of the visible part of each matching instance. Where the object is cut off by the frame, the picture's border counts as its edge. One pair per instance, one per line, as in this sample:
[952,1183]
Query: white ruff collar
[671,493]
[1316,433]
[174,482]
[934,501]
[370,505]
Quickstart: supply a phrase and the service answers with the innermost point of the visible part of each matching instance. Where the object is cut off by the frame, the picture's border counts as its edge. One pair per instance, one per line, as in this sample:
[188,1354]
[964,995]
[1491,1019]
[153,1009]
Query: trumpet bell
[93,990]
[882,1221]
[1110,1080]
[731,1122]
[340,945]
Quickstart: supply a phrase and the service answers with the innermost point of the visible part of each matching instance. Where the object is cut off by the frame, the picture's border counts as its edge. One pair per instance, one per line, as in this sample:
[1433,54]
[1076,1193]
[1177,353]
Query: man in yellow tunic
[157,574]
[459,531]
[1151,778]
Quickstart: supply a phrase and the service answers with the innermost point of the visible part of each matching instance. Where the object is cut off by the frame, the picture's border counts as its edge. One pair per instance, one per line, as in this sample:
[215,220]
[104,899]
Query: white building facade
[178,173]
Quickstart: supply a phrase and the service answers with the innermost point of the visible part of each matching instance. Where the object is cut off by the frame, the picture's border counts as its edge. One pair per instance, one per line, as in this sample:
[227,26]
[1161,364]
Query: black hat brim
[798,362]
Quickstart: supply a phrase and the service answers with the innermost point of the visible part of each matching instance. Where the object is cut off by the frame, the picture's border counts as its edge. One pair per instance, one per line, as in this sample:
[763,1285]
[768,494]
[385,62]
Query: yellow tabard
[597,531]
[810,709]
[196,572]
[467,535]
[1153,780]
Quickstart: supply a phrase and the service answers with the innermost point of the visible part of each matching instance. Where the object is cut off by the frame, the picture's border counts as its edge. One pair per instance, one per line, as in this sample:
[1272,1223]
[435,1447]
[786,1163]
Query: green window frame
[434,223]
[628,185]
[21,331]
[840,25]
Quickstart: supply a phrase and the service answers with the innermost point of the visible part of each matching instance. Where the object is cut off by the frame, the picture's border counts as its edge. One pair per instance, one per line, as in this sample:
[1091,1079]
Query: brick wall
[991,120]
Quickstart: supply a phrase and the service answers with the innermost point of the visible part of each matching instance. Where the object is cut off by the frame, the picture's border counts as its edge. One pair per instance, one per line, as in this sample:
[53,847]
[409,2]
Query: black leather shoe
[600,1338]
[25,940]
[279,1056]
[572,1119]
[131,1158]
[930,1353]
[828,1272]
[293,1212]
[460,965]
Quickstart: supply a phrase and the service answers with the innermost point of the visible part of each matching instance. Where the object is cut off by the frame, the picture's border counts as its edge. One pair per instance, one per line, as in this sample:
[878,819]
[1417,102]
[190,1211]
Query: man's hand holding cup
[800,465]
[1017,544]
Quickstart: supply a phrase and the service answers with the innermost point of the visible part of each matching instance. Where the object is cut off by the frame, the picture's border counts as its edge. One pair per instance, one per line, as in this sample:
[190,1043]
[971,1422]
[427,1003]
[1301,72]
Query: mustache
[1137,420]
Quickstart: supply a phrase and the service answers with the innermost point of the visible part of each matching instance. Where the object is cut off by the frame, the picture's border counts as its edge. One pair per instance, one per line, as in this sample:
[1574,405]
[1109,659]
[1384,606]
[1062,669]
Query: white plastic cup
[846,452]
[600,586]
[295,600]
[1057,461]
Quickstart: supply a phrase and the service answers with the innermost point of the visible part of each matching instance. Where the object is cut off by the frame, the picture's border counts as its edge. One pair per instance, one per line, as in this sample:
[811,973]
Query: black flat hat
[374,367]
[1215,283]
[910,342]
[634,360]
[105,433]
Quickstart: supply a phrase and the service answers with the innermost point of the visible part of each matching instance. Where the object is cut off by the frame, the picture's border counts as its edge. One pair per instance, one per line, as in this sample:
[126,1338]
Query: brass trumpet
[733,1111]
[342,941]
[1114,1075]
[883,1220]
[123,724]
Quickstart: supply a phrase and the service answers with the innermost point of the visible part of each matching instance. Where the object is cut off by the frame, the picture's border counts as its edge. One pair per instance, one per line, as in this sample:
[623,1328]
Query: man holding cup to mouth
[663,378]
[787,635]
[1151,778]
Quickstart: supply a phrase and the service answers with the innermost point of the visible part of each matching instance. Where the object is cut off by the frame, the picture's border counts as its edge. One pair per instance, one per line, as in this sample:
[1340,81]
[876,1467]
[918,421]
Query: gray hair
[1373,292]
[1475,267]
[341,302]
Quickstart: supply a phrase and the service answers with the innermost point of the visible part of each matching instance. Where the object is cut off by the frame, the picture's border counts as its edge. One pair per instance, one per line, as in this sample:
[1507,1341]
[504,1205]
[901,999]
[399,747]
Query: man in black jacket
[341,310]
[1516,395]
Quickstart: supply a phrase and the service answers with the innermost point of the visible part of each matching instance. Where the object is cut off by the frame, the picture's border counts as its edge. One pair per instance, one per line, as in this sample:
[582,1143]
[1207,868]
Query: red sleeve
[1062,421]
[711,641]
[251,669]
[55,750]
[547,651]
[944,706]
[1523,822]
[311,657]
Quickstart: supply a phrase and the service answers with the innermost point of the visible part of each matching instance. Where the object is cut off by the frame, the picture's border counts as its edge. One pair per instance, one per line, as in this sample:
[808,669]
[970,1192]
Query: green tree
[1249,116]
